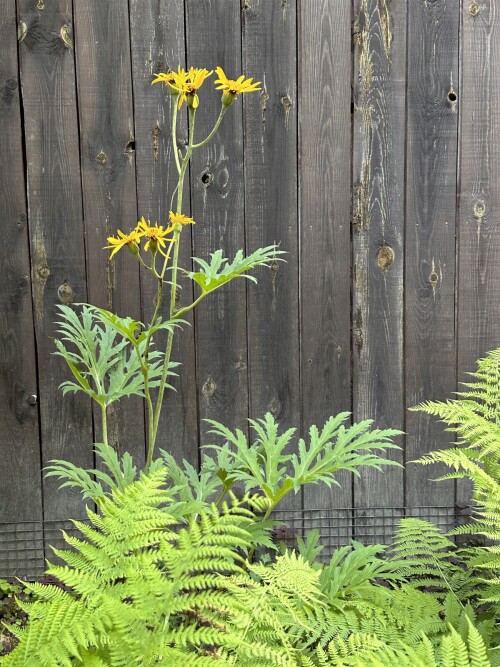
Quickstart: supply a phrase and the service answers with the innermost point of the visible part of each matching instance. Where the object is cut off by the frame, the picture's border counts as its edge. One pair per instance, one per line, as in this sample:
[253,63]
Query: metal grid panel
[372,525]
[21,550]
[22,544]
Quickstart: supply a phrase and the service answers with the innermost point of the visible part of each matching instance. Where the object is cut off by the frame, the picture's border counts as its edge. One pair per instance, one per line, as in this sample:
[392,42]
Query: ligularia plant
[110,356]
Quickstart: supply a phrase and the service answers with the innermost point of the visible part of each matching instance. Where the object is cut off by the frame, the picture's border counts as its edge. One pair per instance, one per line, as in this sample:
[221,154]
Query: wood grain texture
[108,180]
[479,197]
[373,316]
[213,38]
[378,234]
[157,38]
[20,477]
[430,234]
[324,165]
[56,228]
[271,214]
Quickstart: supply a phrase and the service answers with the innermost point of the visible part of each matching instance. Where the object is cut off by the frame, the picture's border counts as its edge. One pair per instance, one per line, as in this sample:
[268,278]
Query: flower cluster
[155,235]
[184,85]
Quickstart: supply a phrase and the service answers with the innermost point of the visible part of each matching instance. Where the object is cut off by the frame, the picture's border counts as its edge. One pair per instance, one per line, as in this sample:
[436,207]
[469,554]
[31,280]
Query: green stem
[224,492]
[174,135]
[104,424]
[264,518]
[167,257]
[173,291]
[180,313]
[145,374]
[168,353]
[216,127]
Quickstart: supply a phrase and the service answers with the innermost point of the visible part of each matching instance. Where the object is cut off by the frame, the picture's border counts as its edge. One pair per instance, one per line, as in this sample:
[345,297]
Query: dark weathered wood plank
[157,38]
[430,234]
[20,475]
[378,237]
[56,228]
[479,197]
[108,180]
[271,215]
[325,158]
[213,38]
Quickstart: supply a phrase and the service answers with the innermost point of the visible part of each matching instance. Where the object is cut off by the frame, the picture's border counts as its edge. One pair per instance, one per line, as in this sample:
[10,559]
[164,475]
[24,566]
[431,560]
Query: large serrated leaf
[220,271]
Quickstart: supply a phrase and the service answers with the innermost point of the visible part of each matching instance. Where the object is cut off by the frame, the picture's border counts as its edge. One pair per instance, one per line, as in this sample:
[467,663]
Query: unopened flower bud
[134,248]
[192,100]
[228,99]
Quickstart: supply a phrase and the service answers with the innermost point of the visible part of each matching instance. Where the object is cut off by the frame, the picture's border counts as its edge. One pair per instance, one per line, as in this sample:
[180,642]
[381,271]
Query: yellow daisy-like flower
[232,87]
[174,80]
[155,235]
[118,242]
[185,84]
[179,218]
[195,79]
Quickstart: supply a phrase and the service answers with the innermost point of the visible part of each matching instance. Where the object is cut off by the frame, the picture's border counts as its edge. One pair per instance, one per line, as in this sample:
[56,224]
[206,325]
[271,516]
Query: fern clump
[141,590]
[475,417]
[131,578]
[367,650]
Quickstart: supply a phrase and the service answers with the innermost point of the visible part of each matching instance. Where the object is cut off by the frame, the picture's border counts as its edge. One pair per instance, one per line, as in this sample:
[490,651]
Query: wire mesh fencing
[25,546]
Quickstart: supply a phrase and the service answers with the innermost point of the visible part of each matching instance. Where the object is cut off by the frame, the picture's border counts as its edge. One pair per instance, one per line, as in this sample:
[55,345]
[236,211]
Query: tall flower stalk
[156,248]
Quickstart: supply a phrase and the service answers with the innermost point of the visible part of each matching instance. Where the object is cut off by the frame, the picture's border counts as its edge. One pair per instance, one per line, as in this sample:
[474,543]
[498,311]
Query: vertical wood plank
[271,214]
[20,476]
[378,241]
[56,228]
[430,234]
[108,178]
[213,38]
[325,182]
[479,197]
[157,38]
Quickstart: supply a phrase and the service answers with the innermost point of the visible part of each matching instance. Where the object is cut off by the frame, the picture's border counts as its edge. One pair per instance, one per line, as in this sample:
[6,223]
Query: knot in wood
[385,257]
[207,178]
[43,272]
[66,36]
[479,210]
[433,279]
[209,387]
[102,157]
[21,31]
[275,407]
[452,97]
[474,9]
[65,293]
[286,102]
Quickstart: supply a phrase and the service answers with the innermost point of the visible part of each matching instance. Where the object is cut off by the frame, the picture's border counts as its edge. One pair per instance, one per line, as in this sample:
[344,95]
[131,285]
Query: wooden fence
[372,155]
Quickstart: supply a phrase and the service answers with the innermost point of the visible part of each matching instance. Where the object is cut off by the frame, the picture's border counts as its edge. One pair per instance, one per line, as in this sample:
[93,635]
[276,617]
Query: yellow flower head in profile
[232,87]
[118,242]
[174,80]
[179,219]
[155,235]
[185,84]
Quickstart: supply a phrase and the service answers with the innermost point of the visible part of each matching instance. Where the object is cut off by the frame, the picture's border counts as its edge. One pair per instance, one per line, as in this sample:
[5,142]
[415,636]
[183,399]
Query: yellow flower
[174,80]
[179,218]
[185,84]
[194,82]
[131,240]
[230,87]
[155,235]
